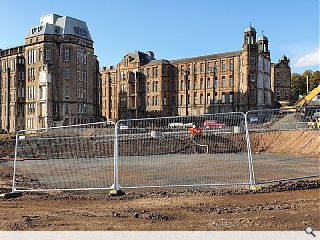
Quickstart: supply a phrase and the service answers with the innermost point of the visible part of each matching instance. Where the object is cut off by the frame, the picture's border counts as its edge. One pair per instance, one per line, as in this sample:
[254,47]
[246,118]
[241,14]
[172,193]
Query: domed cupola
[263,44]
[250,35]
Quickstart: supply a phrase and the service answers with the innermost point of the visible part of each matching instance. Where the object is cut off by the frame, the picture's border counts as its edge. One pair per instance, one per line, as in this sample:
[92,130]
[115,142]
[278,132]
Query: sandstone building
[53,79]
[281,80]
[141,86]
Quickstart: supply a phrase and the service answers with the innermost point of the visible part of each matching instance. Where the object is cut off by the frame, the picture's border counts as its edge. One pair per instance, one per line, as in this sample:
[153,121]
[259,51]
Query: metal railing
[225,149]
[74,157]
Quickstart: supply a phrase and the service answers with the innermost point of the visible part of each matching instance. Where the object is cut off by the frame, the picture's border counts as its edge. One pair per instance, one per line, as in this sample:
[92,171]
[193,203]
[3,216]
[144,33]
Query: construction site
[233,171]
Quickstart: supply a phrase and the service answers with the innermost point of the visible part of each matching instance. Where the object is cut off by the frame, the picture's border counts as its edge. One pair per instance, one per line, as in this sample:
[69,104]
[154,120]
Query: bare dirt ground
[284,206]
[290,206]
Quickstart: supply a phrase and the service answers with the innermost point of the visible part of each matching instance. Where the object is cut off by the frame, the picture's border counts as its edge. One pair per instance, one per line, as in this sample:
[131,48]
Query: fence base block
[10,195]
[255,188]
[116,192]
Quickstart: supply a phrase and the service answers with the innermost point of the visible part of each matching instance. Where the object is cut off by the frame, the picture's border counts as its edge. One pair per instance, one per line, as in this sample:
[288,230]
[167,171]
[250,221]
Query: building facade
[141,86]
[57,80]
[12,86]
[281,80]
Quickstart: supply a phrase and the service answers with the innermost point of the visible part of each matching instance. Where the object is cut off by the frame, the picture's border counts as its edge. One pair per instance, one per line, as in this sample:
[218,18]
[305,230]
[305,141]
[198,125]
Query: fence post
[14,162]
[115,188]
[252,180]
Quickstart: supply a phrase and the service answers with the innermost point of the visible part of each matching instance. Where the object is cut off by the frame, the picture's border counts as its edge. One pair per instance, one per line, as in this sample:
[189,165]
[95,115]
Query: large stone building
[53,79]
[141,86]
[281,80]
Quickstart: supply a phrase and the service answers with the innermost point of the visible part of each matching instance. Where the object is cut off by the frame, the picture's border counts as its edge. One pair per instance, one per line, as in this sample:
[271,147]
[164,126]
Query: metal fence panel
[183,151]
[67,158]
[284,143]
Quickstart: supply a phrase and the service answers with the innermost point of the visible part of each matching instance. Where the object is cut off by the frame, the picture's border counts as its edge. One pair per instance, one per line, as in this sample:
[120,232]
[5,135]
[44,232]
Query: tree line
[299,83]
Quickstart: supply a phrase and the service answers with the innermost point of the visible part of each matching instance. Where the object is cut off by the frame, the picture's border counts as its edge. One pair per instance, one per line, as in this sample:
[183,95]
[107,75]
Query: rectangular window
[231,65]
[231,82]
[181,85]
[48,54]
[123,75]
[194,99]
[208,99]
[201,67]
[148,101]
[215,82]
[148,72]
[215,67]
[208,68]
[208,83]
[66,91]
[223,66]
[40,54]
[201,98]
[156,71]
[66,74]
[66,108]
[195,69]
[181,99]
[231,97]
[67,55]
[223,82]
[84,58]
[201,83]
[153,86]
[252,77]
[223,98]
[195,84]
[182,71]
[252,60]
[148,86]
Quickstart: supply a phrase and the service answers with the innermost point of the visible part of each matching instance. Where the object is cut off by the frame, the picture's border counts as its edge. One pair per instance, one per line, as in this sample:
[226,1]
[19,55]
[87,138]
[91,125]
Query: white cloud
[309,59]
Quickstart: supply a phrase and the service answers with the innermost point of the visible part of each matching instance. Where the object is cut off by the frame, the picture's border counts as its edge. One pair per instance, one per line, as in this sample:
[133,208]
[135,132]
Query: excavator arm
[306,99]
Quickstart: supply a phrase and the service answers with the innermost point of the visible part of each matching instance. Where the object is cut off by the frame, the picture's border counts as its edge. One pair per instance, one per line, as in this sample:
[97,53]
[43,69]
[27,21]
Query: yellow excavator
[307,99]
[304,101]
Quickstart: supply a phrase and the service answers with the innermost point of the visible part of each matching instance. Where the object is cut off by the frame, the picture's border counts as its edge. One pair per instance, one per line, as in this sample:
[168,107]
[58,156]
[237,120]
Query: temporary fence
[183,151]
[225,149]
[65,158]
[285,143]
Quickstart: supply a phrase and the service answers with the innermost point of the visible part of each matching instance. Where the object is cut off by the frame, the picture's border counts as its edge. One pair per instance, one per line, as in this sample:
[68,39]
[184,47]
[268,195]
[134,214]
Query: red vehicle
[212,124]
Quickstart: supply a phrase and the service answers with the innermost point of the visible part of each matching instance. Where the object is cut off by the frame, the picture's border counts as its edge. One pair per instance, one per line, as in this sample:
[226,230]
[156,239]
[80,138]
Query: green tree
[315,80]
[298,85]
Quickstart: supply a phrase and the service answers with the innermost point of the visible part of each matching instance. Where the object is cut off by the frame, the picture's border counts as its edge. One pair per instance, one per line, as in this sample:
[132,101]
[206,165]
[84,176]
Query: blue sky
[177,28]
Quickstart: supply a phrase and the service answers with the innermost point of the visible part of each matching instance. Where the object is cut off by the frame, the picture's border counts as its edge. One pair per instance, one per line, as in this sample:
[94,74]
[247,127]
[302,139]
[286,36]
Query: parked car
[181,125]
[212,124]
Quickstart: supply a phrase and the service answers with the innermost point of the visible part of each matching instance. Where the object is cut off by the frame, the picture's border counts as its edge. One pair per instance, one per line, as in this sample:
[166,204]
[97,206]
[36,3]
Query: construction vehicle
[302,102]
[315,124]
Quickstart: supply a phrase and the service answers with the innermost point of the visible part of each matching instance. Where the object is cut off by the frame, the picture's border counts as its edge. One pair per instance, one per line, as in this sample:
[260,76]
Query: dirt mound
[295,142]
